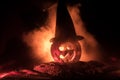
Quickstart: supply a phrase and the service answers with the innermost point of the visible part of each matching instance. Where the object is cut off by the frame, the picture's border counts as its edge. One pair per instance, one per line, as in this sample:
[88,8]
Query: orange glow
[90,47]
[39,39]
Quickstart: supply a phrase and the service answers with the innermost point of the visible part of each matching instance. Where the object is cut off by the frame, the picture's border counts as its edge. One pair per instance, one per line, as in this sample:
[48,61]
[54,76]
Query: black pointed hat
[64,25]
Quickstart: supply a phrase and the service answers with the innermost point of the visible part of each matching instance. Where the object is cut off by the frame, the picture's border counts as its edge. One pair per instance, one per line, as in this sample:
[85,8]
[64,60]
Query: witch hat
[64,25]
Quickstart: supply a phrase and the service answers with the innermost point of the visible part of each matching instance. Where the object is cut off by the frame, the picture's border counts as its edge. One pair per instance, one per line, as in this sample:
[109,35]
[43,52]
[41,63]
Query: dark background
[16,17]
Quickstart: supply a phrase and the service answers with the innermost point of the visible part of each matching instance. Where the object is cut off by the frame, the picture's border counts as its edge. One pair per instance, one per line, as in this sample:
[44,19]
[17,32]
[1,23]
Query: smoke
[90,47]
[39,39]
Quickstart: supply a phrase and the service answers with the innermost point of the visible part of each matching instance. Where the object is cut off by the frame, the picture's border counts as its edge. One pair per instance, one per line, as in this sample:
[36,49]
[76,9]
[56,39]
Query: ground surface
[68,71]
